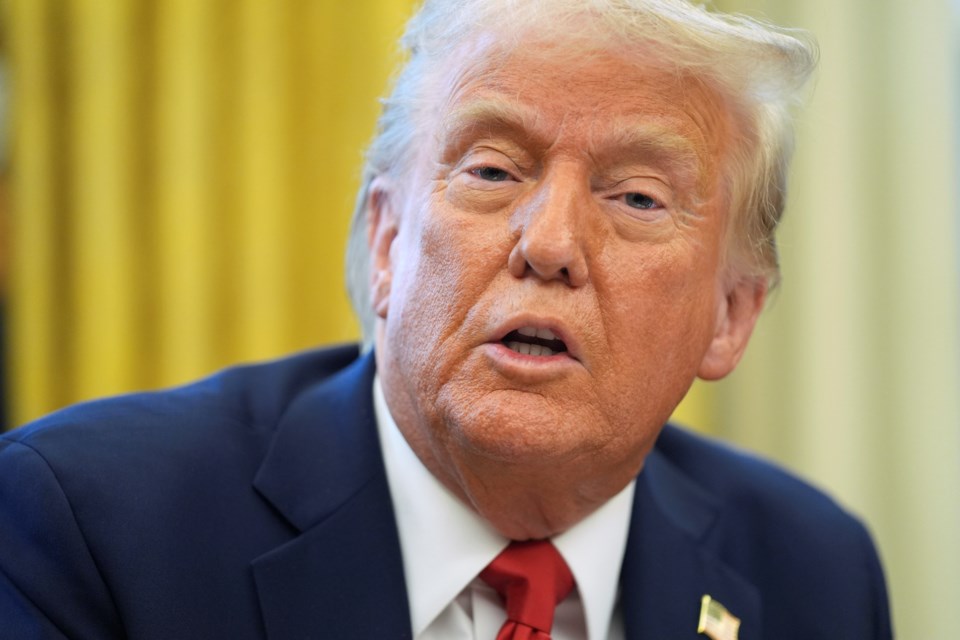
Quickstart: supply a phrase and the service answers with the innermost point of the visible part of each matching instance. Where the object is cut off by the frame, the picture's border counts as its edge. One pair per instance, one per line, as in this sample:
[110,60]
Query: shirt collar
[445,544]
[593,549]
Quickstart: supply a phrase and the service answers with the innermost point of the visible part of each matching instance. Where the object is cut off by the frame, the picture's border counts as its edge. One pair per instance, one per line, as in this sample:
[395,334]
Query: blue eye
[491,174]
[640,201]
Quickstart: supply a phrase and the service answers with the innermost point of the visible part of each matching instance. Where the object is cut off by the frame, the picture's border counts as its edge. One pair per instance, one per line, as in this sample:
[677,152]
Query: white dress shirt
[445,545]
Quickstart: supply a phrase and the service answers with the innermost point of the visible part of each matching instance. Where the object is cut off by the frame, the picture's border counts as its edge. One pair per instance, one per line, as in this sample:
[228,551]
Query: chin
[522,427]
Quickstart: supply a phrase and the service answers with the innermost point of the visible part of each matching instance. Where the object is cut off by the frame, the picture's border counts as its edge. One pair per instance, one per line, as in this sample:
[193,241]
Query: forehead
[599,100]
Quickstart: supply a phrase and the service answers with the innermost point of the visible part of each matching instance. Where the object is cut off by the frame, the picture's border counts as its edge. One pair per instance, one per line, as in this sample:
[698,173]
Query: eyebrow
[647,138]
[625,141]
[631,141]
[491,117]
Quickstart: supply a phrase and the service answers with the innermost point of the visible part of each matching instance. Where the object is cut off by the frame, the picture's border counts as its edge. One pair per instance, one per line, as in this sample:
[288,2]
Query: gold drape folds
[183,175]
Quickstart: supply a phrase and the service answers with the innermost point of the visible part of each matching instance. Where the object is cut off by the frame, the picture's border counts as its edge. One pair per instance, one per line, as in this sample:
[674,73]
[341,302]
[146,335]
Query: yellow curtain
[183,175]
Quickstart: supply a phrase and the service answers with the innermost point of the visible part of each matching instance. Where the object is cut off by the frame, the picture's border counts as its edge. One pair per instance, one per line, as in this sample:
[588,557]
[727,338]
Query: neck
[523,499]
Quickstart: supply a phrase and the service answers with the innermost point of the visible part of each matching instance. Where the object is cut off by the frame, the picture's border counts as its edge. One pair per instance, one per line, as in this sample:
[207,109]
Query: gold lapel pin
[716,622]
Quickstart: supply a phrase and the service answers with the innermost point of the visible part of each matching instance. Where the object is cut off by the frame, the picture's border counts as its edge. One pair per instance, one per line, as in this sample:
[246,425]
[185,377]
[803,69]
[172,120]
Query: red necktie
[533,578]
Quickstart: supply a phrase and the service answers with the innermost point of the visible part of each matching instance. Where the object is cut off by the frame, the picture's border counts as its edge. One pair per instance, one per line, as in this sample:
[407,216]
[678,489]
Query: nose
[553,230]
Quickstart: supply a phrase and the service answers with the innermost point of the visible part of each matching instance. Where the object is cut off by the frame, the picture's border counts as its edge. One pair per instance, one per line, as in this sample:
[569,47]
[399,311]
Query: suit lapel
[668,568]
[341,576]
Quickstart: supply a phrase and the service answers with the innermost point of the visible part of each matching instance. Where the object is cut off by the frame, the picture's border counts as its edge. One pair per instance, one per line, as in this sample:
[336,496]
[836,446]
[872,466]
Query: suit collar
[325,448]
[341,576]
[669,566]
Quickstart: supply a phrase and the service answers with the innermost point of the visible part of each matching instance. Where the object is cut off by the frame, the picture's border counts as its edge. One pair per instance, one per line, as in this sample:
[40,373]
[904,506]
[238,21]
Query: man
[567,215]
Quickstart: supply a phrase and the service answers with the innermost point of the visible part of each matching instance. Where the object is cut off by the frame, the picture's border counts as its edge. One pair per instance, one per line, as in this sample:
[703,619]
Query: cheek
[444,262]
[655,282]
[660,319]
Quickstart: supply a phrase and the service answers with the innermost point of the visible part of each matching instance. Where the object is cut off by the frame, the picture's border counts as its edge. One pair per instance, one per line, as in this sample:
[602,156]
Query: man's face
[549,275]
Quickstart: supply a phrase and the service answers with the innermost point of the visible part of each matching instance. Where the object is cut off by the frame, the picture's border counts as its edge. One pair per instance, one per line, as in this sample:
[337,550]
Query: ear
[382,225]
[738,308]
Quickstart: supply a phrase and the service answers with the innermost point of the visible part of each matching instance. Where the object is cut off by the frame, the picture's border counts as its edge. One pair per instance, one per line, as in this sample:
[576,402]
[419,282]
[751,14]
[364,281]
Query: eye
[490,174]
[640,201]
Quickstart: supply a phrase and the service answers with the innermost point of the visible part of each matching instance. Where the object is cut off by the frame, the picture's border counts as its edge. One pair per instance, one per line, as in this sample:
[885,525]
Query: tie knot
[532,578]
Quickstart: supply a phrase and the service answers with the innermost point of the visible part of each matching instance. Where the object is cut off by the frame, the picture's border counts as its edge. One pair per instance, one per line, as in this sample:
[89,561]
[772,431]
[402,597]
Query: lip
[558,327]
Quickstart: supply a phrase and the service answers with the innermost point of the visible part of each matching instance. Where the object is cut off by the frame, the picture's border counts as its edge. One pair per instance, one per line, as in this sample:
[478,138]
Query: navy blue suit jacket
[254,504]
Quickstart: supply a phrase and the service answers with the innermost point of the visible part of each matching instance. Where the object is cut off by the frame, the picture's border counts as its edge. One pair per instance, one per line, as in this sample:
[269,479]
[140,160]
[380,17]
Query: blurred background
[176,178]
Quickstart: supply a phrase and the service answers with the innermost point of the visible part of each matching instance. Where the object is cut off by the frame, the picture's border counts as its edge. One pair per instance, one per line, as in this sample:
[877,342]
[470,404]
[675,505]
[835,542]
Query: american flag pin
[716,622]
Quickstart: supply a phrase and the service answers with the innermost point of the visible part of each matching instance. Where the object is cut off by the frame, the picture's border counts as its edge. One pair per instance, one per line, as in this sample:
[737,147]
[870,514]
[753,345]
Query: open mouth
[534,342]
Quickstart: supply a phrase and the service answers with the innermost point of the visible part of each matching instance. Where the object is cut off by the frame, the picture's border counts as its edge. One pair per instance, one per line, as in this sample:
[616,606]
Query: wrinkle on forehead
[651,111]
[625,140]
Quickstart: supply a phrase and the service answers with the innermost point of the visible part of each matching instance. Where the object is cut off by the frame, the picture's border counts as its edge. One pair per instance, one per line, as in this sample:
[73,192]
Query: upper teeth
[534,332]
[531,349]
